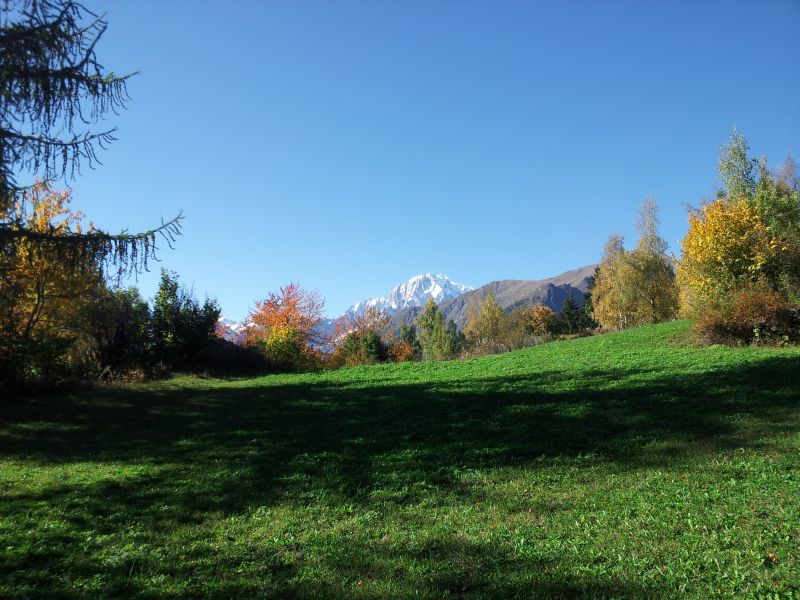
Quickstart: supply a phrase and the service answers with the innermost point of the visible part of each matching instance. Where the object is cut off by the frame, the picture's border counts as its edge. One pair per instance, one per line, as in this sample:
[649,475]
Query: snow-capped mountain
[230,330]
[414,292]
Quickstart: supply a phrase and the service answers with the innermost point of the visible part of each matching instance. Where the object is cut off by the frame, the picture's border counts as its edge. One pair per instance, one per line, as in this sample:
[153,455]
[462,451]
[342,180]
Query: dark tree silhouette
[52,90]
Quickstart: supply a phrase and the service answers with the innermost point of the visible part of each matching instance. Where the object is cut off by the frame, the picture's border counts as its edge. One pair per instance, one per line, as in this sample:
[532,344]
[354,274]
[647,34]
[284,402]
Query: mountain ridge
[511,294]
[413,292]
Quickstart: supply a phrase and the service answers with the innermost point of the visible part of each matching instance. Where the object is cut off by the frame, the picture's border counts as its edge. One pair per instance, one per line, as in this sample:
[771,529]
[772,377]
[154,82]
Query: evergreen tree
[587,311]
[181,326]
[455,339]
[51,87]
[570,316]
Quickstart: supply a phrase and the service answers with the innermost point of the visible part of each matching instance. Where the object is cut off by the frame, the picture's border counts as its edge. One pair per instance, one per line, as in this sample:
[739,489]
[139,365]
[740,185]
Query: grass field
[624,465]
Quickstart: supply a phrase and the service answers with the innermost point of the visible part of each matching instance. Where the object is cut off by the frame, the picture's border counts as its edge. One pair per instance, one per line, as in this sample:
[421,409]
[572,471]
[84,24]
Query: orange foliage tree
[286,327]
[541,320]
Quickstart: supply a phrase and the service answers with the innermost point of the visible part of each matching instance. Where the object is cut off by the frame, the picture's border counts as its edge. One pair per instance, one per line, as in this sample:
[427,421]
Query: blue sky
[349,146]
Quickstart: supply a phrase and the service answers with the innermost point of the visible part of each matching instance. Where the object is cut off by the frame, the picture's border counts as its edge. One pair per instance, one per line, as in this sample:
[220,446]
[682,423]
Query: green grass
[624,465]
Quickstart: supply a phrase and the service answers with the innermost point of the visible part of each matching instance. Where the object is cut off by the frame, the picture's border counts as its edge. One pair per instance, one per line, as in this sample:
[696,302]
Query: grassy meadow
[628,465]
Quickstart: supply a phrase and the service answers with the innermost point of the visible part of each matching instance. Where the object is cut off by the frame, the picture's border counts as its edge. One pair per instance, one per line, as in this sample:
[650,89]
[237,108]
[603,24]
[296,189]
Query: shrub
[359,348]
[754,314]
[284,349]
[401,351]
[226,356]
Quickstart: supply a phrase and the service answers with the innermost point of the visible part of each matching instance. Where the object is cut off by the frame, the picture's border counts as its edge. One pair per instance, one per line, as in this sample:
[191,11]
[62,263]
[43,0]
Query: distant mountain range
[511,294]
[406,300]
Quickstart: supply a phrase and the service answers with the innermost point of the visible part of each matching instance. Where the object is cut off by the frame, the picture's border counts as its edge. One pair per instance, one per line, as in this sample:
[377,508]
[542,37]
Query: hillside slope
[627,465]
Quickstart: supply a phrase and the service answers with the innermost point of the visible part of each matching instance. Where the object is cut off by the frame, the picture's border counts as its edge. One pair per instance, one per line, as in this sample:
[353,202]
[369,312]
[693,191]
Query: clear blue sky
[349,146]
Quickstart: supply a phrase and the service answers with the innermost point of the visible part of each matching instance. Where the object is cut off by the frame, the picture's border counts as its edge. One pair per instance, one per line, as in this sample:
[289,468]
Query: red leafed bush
[754,315]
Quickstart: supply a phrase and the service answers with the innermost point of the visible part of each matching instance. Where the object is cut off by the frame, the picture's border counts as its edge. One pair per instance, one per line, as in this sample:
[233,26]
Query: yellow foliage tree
[610,295]
[637,287]
[38,288]
[41,295]
[541,320]
[485,323]
[727,246]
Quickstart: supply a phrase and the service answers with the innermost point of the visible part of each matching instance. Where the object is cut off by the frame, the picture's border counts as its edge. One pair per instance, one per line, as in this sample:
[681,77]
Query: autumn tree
[739,267]
[485,323]
[371,319]
[286,327]
[636,287]
[727,245]
[651,271]
[541,320]
[750,234]
[405,346]
[40,297]
[611,297]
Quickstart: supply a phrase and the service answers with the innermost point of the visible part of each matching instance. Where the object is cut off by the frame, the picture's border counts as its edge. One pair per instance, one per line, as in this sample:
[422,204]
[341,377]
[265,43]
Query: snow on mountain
[414,292]
[231,330]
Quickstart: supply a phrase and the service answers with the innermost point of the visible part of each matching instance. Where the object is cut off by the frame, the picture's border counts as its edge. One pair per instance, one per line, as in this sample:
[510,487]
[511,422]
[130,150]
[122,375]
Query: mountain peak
[413,292]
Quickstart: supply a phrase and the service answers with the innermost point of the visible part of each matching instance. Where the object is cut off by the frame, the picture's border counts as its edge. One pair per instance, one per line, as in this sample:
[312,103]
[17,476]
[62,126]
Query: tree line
[738,273]
[63,314]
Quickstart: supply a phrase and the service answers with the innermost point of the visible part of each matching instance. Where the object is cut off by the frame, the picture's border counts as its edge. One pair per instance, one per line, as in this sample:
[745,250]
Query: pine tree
[570,315]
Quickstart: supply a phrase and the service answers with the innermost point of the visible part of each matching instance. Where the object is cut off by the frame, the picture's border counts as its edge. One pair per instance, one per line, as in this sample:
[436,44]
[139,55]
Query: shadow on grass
[230,449]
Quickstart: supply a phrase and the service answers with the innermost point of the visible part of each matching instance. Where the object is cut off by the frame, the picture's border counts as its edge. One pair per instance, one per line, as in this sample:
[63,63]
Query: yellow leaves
[727,243]
[42,290]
